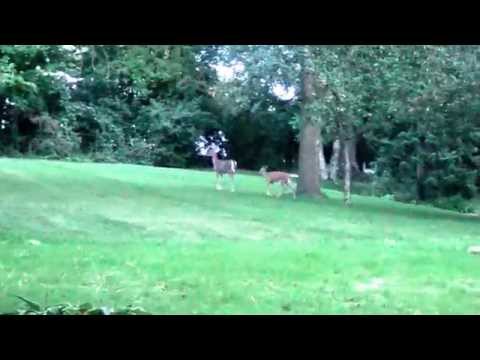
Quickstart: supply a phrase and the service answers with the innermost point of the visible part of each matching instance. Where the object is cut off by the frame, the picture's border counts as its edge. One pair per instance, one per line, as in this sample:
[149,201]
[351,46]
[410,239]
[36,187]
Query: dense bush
[455,203]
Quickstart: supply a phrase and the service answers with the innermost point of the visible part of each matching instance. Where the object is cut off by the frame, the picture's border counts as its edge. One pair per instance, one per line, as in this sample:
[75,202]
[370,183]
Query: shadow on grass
[411,211]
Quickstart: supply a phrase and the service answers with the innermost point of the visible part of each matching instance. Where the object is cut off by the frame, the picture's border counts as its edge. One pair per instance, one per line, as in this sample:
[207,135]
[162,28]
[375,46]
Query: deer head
[212,150]
[263,170]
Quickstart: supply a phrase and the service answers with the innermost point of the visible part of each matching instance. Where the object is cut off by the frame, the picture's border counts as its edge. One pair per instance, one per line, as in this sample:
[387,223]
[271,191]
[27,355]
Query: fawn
[283,178]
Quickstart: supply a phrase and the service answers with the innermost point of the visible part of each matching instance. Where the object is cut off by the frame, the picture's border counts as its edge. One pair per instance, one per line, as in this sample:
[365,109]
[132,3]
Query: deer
[222,167]
[283,178]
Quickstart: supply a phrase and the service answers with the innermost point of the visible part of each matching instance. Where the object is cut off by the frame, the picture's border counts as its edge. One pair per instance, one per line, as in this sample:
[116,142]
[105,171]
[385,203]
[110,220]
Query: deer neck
[215,161]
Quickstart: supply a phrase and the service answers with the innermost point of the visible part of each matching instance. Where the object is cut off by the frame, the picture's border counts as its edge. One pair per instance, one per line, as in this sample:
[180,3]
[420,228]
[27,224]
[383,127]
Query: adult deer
[222,167]
[283,178]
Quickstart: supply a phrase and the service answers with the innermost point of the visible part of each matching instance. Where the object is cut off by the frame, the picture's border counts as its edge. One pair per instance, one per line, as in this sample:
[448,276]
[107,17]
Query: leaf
[95,312]
[32,305]
[130,310]
[85,307]
[54,310]
[70,311]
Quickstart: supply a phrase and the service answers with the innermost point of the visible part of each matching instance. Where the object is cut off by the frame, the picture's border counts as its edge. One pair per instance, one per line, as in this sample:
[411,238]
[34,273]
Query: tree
[267,67]
[425,142]
[146,104]
[33,93]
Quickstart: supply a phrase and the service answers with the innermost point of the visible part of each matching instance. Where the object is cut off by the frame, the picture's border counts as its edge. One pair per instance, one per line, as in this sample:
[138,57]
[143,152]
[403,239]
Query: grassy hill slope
[166,240]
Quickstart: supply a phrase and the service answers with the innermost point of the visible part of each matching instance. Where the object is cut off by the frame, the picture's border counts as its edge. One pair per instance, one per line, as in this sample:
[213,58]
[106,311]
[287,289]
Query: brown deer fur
[283,178]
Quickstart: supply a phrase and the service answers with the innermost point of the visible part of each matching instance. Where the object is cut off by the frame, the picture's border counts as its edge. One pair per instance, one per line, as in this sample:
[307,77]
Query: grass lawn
[166,240]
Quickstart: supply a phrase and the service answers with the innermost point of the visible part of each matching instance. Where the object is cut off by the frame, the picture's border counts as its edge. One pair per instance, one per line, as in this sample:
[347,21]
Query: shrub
[454,203]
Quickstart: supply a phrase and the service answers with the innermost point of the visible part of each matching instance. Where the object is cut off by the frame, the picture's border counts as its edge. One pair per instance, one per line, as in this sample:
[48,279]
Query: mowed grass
[166,240]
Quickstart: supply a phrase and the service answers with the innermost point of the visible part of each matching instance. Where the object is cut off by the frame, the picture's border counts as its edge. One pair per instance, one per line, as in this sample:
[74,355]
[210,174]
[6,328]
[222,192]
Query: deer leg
[232,178]
[219,186]
[281,190]
[290,185]
[268,189]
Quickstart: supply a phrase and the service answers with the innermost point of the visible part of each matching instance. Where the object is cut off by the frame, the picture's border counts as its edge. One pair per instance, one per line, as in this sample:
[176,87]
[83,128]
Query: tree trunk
[308,164]
[352,148]
[346,140]
[321,158]
[420,173]
[420,177]
[348,174]
[334,161]
[420,191]
[350,144]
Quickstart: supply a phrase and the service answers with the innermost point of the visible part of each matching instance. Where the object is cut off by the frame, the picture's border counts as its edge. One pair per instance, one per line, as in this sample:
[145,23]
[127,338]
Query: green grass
[166,240]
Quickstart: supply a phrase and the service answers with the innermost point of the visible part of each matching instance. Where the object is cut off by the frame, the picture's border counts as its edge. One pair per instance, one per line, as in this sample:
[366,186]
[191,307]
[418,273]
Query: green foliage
[454,203]
[423,120]
[263,138]
[141,104]
[170,129]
